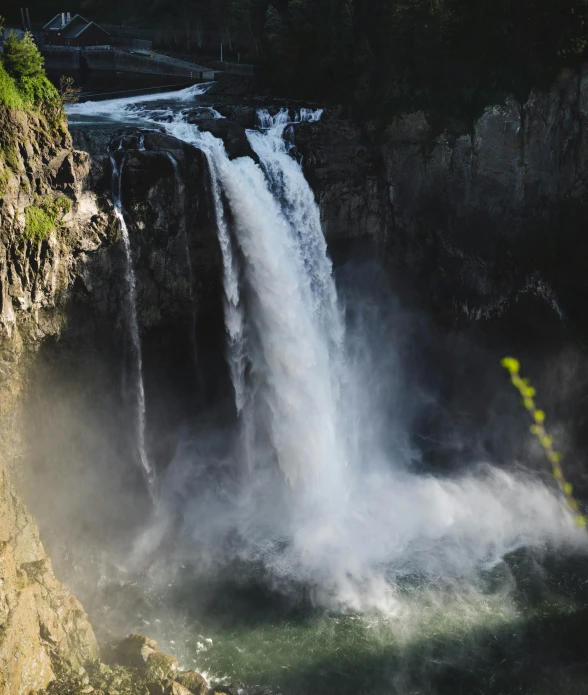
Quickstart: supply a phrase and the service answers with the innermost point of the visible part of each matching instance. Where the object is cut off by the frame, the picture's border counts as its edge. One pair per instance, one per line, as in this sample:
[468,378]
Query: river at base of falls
[520,631]
[373,579]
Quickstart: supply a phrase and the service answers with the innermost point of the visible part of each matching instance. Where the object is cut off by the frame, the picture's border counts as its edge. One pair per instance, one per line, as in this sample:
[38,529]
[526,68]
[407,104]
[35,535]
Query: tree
[23,62]
[22,59]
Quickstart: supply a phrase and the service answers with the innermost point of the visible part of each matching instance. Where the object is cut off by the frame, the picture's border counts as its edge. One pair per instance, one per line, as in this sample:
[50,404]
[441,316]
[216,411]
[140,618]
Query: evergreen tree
[21,57]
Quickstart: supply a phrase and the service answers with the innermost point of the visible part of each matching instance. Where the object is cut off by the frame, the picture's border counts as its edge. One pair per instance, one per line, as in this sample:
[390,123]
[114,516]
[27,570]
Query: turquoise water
[518,628]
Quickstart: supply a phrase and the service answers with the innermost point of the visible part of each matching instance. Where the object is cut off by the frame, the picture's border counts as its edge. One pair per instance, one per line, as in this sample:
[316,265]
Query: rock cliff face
[178,266]
[171,222]
[41,623]
[475,220]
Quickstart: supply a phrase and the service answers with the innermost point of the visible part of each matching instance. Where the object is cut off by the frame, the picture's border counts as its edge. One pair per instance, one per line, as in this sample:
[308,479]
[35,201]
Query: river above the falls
[310,555]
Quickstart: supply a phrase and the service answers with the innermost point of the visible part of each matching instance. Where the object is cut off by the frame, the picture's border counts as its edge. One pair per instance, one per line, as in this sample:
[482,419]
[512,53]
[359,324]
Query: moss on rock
[44,216]
[193,682]
[161,666]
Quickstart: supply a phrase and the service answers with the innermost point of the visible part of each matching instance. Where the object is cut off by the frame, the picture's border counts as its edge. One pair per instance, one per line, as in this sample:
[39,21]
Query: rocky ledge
[135,666]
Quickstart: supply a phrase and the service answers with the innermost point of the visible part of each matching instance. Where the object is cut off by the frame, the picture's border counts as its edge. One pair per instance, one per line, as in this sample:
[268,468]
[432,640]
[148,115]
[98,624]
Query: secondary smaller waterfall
[234,314]
[131,283]
[180,192]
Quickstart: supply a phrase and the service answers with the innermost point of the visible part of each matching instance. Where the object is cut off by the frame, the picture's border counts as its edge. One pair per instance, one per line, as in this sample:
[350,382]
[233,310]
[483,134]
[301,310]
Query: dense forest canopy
[447,55]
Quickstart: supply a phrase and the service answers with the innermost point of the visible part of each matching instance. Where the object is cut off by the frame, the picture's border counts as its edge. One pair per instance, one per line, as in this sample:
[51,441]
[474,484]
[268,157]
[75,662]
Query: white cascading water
[131,283]
[301,212]
[356,518]
[293,363]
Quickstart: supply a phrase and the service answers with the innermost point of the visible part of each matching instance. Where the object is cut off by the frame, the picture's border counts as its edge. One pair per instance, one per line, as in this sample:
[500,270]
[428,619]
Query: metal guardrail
[68,49]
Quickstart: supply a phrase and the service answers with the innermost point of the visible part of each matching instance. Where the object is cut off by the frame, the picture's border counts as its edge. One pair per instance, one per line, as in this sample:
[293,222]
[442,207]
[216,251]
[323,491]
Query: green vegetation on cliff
[44,216]
[23,83]
[24,91]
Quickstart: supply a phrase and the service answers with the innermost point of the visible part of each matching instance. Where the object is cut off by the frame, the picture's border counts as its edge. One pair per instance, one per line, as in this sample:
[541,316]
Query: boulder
[168,687]
[245,116]
[194,682]
[178,689]
[135,650]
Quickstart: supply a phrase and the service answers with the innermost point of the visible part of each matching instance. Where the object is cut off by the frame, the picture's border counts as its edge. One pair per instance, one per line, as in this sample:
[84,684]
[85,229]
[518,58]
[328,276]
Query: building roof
[75,31]
[55,23]
[71,29]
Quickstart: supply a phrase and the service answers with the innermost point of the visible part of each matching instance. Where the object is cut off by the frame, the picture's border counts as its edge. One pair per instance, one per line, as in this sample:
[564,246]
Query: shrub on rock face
[22,77]
[22,57]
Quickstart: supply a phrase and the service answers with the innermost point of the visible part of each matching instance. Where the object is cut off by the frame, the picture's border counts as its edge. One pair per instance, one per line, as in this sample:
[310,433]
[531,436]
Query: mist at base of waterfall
[519,631]
[478,582]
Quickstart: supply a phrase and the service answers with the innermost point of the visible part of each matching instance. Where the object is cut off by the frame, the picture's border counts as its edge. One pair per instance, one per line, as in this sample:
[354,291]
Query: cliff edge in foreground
[47,227]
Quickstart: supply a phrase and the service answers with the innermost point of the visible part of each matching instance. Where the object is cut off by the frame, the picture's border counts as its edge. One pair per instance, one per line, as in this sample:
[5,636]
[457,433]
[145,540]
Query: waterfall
[298,206]
[234,314]
[294,324]
[350,510]
[289,342]
[353,518]
[131,286]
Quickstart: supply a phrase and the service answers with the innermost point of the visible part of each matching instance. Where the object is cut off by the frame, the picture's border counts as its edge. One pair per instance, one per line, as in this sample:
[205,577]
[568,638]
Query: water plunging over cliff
[134,334]
[350,507]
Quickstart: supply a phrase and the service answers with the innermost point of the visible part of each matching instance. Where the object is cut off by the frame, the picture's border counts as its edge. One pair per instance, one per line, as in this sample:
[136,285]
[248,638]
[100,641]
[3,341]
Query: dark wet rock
[472,220]
[232,134]
[201,113]
[245,116]
[168,209]
[345,172]
[233,86]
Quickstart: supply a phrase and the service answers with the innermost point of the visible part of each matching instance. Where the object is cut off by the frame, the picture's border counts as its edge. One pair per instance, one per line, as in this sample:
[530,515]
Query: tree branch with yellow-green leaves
[545,440]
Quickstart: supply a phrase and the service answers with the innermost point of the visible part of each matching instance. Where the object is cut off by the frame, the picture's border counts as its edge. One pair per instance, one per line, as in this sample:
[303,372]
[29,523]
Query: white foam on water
[129,108]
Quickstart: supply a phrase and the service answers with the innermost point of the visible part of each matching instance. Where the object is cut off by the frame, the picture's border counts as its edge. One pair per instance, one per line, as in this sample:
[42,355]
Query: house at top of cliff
[65,30]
